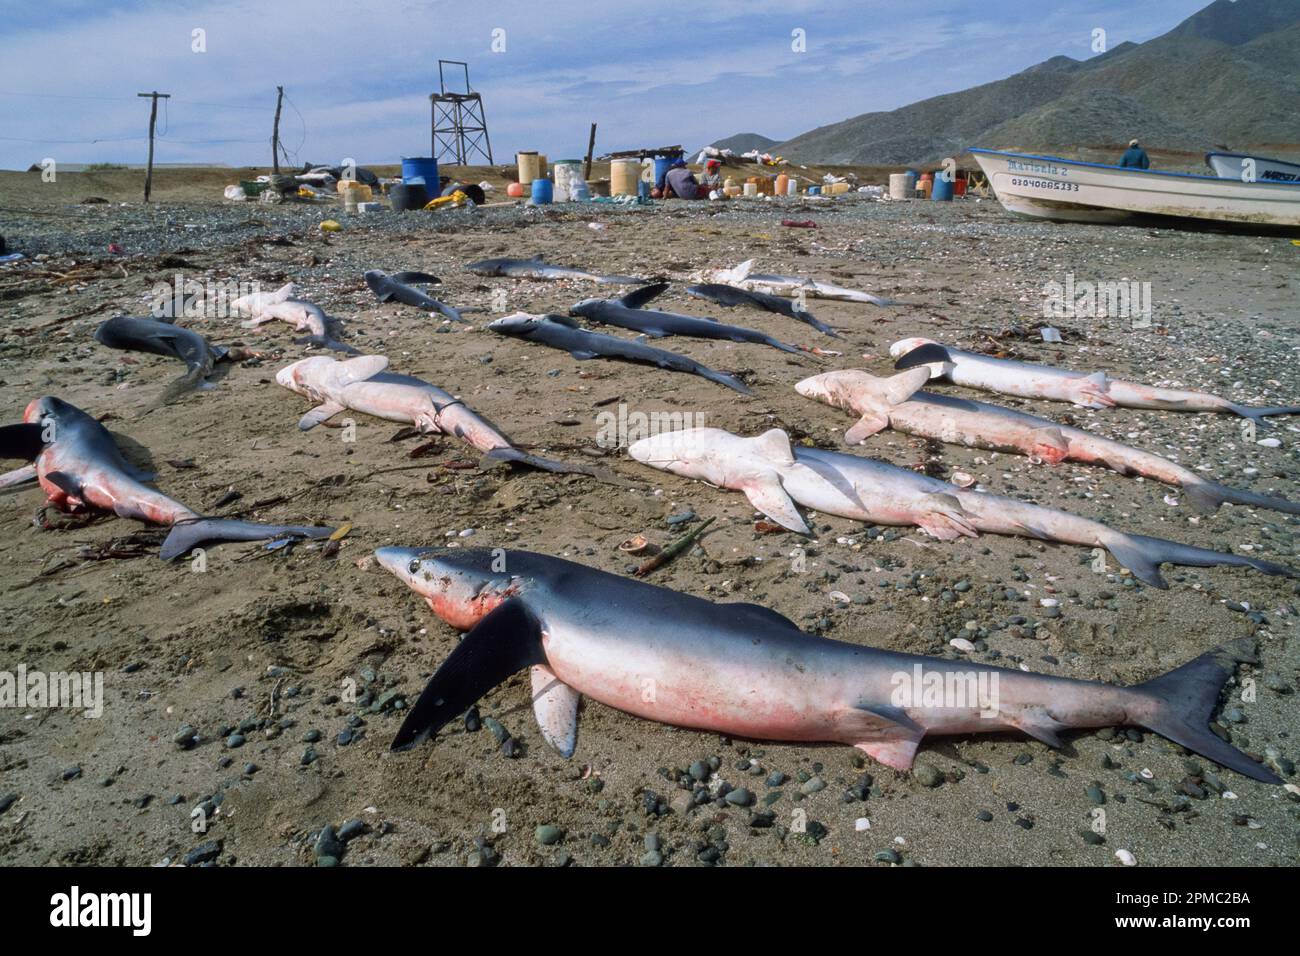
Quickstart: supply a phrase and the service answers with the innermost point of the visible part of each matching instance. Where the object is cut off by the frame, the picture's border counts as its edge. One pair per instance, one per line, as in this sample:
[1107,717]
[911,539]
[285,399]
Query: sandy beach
[230,691]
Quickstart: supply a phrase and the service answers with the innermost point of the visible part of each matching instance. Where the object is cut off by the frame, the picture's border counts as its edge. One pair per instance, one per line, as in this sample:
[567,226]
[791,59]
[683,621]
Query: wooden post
[591,146]
[275,133]
[153,122]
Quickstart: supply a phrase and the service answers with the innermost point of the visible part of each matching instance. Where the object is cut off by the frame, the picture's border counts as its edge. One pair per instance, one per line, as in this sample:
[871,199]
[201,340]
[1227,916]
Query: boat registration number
[1046,184]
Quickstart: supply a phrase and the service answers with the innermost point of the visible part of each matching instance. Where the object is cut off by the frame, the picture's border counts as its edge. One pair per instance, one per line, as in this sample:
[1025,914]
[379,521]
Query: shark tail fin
[325,342]
[1178,705]
[1206,496]
[185,536]
[1143,556]
[923,355]
[1260,415]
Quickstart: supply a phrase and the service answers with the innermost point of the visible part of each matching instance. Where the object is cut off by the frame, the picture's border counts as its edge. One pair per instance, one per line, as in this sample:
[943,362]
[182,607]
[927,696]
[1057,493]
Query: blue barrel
[543,191]
[424,169]
[941,191]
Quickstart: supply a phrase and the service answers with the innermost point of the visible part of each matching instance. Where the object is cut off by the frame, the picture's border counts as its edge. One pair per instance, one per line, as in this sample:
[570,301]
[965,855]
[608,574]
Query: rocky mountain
[1229,75]
[744,142]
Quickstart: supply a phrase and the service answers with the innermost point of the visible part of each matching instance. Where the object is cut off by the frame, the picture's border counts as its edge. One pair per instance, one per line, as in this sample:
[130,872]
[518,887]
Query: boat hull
[1235,166]
[1046,187]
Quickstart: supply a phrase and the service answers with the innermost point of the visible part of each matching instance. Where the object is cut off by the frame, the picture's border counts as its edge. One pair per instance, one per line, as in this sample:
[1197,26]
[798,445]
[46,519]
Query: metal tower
[459,125]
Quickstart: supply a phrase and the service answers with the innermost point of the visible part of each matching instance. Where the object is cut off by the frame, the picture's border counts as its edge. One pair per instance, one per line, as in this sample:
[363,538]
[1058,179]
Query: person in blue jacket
[1135,157]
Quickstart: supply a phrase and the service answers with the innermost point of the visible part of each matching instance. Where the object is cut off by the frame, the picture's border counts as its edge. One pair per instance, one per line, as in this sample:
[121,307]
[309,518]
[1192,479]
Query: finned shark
[163,338]
[1029,380]
[626,312]
[730,295]
[362,385]
[744,670]
[397,288]
[535,268]
[776,478]
[562,332]
[302,315]
[895,402]
[743,277]
[80,468]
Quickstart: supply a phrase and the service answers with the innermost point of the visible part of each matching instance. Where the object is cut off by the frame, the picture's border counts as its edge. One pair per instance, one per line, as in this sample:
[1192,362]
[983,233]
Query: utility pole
[153,122]
[275,133]
[591,146]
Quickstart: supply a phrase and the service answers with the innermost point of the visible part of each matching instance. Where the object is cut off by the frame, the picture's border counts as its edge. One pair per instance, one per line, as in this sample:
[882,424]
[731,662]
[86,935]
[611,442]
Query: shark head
[51,412]
[870,396]
[861,391]
[520,323]
[700,453]
[461,586]
[319,376]
[585,307]
[752,465]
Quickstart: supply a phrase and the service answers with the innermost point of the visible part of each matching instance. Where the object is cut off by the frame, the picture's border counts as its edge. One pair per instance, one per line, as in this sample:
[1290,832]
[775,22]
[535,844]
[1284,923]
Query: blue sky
[358,75]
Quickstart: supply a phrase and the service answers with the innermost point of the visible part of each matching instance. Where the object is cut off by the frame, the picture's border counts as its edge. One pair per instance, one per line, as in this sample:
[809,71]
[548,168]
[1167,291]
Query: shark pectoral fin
[23,441]
[867,426]
[1092,391]
[944,518]
[321,413]
[886,734]
[899,388]
[1050,445]
[555,705]
[583,354]
[639,297]
[766,494]
[1037,723]
[774,445]
[502,644]
[65,482]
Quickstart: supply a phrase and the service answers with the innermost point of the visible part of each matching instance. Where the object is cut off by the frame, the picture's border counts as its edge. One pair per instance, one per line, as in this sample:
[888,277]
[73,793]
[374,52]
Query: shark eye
[414,566]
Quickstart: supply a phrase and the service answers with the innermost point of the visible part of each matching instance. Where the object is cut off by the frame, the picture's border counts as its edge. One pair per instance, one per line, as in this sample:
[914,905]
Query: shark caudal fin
[325,342]
[517,457]
[1206,496]
[1260,415]
[194,379]
[502,644]
[923,355]
[23,441]
[722,378]
[1143,556]
[185,536]
[1179,705]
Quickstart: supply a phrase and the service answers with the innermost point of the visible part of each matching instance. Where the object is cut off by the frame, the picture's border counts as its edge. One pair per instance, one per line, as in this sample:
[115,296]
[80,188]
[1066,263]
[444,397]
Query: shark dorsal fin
[899,388]
[361,368]
[774,445]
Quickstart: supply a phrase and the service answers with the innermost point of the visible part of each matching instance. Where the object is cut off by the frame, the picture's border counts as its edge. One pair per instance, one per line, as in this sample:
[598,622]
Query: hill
[1229,75]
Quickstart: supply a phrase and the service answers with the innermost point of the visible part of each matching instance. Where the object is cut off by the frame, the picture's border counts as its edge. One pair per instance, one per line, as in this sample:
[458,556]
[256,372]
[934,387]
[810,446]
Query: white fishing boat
[1243,166]
[1049,187]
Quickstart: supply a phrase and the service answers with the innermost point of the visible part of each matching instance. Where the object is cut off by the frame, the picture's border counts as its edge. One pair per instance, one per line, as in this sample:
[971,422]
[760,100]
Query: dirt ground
[268,646]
